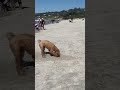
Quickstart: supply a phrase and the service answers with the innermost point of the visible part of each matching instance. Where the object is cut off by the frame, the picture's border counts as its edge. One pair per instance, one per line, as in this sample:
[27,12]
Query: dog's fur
[18,45]
[53,50]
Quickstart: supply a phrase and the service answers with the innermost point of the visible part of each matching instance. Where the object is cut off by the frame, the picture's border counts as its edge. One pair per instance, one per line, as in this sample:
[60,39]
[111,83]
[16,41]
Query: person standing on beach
[43,23]
[71,19]
[40,21]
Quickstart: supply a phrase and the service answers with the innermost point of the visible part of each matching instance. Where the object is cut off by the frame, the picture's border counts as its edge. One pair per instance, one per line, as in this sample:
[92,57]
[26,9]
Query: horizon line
[60,10]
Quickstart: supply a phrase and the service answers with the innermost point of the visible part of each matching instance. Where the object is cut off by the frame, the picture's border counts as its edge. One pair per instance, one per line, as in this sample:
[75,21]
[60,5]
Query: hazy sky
[57,5]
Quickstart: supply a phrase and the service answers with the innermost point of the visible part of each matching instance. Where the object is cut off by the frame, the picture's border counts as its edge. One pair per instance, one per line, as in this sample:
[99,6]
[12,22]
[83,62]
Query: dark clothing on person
[52,21]
[42,23]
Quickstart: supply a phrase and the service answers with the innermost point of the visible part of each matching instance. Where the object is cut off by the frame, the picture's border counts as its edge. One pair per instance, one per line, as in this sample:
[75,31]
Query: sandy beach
[68,71]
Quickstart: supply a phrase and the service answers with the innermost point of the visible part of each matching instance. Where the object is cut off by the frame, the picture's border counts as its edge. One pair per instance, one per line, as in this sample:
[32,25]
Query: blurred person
[42,24]
[39,24]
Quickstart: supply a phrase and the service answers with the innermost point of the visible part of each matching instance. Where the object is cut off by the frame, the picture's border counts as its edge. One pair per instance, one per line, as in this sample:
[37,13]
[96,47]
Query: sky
[57,5]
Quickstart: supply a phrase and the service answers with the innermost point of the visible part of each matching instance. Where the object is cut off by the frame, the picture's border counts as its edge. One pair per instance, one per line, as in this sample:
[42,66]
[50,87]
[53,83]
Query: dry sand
[68,71]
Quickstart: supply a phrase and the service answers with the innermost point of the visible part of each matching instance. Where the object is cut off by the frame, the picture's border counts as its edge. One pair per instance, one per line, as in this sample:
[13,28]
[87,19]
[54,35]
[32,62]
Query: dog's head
[57,54]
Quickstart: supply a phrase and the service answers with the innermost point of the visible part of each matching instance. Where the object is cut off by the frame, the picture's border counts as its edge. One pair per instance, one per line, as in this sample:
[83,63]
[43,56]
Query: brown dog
[53,50]
[18,45]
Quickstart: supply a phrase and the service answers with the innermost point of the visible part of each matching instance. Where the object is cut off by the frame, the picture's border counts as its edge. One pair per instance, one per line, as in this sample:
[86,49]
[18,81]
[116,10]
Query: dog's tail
[10,35]
[39,41]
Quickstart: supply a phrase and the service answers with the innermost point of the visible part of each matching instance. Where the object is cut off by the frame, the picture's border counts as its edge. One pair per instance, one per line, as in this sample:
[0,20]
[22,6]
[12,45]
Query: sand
[68,71]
